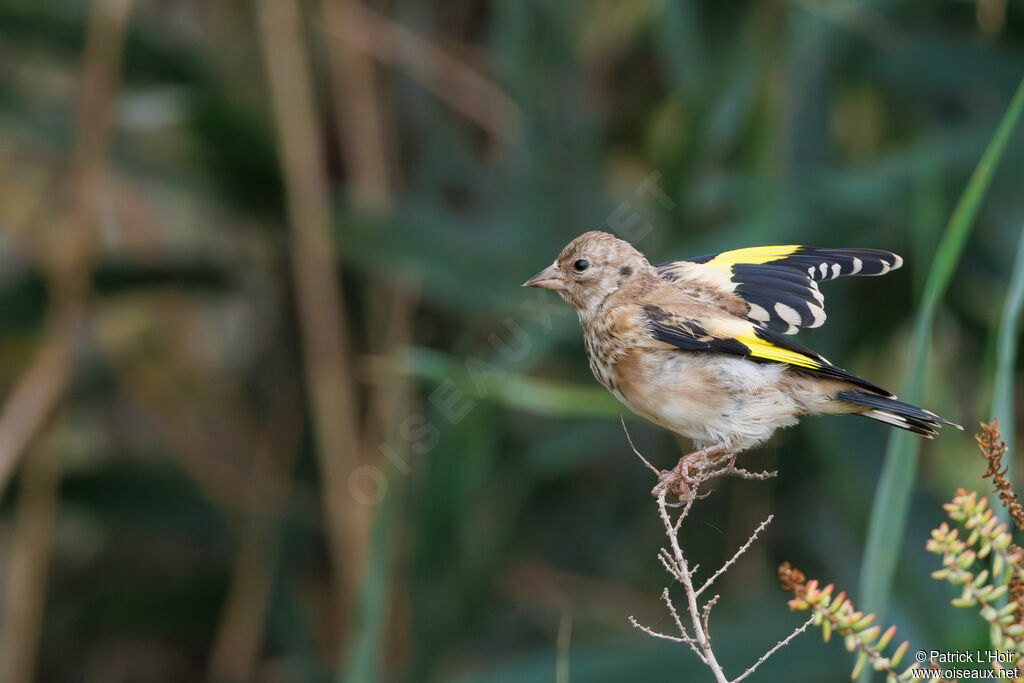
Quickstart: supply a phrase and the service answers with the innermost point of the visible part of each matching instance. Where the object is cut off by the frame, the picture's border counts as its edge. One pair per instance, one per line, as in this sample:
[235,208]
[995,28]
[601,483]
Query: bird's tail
[897,413]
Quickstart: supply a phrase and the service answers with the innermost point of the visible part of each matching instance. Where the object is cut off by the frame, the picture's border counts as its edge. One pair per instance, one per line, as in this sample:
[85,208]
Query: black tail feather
[897,413]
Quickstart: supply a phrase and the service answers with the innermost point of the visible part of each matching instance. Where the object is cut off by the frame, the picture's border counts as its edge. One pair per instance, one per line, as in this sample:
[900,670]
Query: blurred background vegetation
[275,407]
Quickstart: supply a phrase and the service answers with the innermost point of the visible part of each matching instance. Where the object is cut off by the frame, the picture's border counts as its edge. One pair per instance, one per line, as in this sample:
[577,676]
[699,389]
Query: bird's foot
[683,480]
[673,482]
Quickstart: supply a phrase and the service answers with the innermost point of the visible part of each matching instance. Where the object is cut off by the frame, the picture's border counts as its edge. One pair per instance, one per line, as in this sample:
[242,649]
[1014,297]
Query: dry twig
[732,560]
[685,480]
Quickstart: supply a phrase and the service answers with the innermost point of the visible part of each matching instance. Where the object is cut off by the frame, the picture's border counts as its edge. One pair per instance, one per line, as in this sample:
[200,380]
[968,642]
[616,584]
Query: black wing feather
[690,336]
[788,279]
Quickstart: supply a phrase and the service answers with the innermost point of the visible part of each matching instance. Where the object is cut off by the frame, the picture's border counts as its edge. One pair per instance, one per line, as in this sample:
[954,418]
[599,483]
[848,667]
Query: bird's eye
[581,265]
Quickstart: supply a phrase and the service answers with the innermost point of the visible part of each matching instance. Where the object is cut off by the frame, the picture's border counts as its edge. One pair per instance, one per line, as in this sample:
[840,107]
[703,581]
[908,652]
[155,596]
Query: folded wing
[740,338]
[778,284]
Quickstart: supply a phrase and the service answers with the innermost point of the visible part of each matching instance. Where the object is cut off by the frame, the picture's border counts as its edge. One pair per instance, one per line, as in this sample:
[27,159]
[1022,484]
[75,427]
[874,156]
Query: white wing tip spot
[816,293]
[757,313]
[788,315]
[818,314]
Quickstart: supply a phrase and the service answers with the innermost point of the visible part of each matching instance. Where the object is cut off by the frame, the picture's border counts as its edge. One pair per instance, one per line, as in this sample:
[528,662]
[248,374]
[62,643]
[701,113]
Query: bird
[701,346]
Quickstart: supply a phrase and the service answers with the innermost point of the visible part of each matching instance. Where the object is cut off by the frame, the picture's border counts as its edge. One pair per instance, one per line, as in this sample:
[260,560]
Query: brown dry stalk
[30,556]
[314,258]
[993,448]
[366,127]
[65,245]
[65,248]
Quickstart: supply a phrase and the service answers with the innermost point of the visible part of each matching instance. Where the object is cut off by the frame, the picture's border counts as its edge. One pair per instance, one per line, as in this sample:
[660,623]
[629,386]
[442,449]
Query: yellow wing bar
[740,338]
[766,350]
[752,255]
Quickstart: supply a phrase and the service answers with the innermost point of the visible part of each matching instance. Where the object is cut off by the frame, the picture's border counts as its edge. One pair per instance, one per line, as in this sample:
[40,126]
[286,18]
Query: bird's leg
[683,479]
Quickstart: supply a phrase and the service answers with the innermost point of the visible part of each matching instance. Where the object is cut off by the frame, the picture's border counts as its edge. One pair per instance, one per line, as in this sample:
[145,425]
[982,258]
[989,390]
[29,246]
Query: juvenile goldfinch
[698,346]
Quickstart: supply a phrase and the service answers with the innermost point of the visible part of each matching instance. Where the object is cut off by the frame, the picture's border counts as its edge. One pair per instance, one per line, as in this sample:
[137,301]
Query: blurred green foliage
[885,536]
[829,123]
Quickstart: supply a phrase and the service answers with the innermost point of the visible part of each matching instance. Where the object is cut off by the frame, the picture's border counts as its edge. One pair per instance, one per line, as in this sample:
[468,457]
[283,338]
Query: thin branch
[684,480]
[732,560]
[691,598]
[651,467]
[684,637]
[706,614]
[669,564]
[727,468]
[747,474]
[676,639]
[778,646]
[675,615]
[658,634]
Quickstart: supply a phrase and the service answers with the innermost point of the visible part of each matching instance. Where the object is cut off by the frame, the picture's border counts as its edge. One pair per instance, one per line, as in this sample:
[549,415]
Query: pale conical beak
[549,278]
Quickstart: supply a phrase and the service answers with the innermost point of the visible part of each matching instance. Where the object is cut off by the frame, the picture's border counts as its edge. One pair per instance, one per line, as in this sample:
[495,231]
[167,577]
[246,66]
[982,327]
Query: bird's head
[591,268]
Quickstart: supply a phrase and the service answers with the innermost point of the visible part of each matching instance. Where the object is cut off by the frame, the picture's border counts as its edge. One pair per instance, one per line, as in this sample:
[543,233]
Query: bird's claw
[683,480]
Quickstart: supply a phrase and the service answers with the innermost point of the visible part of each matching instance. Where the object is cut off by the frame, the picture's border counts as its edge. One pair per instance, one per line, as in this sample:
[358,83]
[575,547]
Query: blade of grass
[892,499]
[1006,357]
[928,209]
